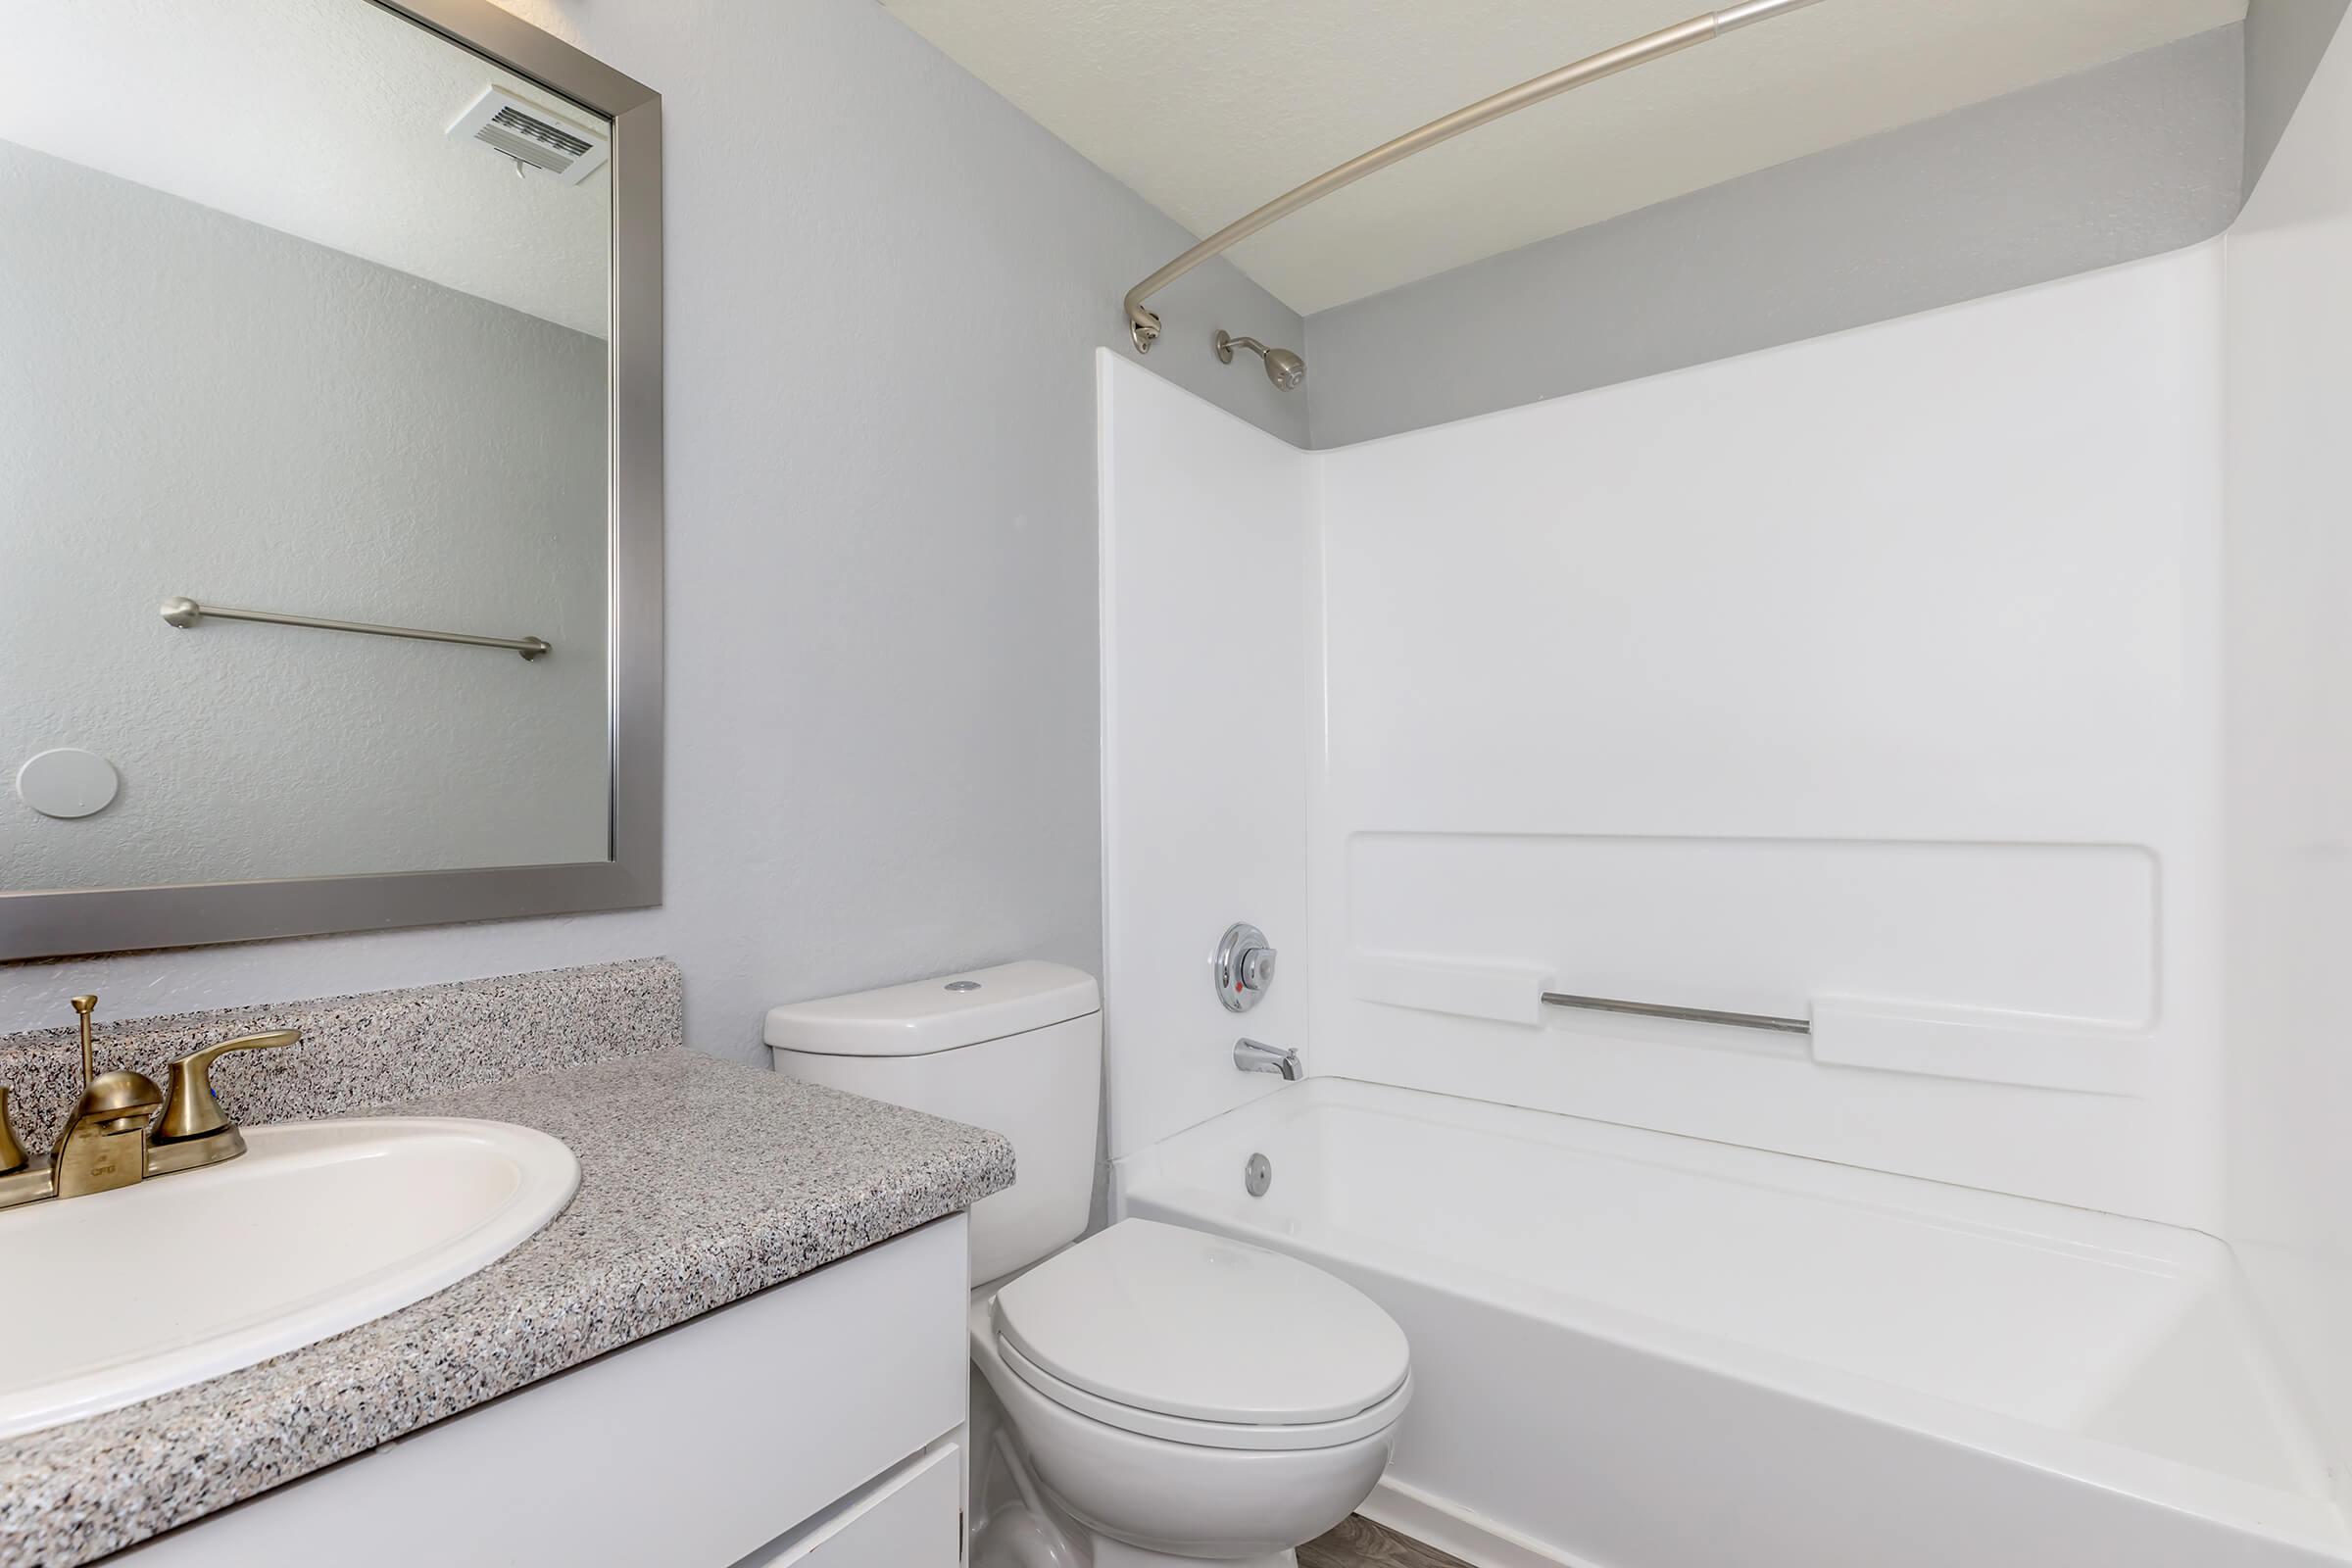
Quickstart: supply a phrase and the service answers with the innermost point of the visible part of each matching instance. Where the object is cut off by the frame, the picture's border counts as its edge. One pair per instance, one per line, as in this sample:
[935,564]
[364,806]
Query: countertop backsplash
[363,1051]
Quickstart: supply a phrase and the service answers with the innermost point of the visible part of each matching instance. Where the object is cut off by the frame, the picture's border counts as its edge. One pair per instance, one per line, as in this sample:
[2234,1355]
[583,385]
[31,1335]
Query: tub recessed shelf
[1932,1039]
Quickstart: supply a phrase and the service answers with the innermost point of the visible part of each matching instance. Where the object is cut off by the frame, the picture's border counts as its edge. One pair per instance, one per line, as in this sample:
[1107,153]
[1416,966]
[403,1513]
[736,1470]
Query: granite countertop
[700,1182]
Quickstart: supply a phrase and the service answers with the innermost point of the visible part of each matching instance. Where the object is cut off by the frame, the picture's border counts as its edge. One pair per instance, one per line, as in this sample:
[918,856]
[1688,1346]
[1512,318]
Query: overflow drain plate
[1257,1175]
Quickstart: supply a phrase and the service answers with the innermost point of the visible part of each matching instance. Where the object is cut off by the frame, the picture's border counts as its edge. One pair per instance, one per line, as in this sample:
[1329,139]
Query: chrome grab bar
[1660,1010]
[187,612]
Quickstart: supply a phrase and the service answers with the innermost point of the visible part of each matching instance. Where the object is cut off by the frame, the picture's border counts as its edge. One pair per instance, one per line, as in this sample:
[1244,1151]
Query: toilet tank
[1016,1049]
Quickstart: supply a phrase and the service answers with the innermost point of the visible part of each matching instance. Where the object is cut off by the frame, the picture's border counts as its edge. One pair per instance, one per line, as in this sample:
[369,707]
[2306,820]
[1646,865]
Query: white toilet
[1151,1396]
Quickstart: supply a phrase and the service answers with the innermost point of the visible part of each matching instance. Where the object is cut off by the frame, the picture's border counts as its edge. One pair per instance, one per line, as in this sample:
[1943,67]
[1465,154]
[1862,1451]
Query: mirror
[328,472]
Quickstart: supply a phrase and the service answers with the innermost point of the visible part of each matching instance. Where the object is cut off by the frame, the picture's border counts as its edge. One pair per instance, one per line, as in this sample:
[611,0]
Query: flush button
[964,985]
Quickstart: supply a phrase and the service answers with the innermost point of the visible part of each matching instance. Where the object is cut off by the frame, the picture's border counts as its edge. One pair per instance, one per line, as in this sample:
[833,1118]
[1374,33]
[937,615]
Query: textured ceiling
[1209,108]
[323,118]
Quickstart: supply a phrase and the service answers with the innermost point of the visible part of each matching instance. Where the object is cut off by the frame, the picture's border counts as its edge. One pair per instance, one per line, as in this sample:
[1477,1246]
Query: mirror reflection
[304,314]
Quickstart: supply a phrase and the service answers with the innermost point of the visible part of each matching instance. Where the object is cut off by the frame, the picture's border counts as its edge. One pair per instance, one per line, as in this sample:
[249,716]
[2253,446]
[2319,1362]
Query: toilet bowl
[1149,1395]
[1178,1397]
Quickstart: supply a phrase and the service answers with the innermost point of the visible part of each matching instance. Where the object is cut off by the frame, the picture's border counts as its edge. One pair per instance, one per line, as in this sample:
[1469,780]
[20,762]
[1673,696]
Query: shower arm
[1144,325]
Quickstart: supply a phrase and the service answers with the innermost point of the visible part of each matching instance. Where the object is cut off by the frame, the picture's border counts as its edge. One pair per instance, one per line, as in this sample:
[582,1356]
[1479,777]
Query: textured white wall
[193,404]
[1210,109]
[375,172]
[2290,776]
[884,291]
[2127,159]
[2285,40]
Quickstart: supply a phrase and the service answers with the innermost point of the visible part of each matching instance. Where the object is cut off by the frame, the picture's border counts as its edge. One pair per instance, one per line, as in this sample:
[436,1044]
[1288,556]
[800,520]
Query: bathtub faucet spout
[1252,1055]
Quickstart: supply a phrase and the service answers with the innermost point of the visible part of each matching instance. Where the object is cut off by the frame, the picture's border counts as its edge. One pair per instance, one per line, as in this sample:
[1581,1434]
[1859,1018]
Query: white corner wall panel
[2288,787]
[1207,531]
[1870,679]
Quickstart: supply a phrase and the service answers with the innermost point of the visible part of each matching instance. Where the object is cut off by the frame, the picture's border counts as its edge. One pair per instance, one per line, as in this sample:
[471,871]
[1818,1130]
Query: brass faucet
[113,1138]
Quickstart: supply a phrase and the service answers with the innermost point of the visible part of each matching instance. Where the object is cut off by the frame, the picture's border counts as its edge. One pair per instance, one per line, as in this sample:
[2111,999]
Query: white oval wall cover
[68,782]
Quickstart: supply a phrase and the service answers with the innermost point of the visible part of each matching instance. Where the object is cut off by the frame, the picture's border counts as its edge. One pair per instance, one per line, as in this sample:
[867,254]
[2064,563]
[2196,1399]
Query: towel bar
[187,612]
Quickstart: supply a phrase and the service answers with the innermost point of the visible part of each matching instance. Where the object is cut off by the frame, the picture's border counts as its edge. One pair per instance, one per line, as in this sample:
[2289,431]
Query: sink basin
[317,1228]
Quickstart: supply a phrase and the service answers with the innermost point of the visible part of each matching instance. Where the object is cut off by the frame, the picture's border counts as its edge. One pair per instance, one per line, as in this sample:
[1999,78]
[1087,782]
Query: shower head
[1284,369]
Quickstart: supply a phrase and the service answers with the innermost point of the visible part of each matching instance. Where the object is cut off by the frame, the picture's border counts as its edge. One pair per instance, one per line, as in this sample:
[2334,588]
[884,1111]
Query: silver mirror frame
[59,925]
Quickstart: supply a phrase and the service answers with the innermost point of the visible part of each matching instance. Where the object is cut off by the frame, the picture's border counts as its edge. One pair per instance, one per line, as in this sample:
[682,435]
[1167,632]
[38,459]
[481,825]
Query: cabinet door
[684,1451]
[912,1518]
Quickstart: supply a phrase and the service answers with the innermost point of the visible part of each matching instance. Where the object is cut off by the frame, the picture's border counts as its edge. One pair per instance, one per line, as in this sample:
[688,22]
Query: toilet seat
[1239,1437]
[1179,1334]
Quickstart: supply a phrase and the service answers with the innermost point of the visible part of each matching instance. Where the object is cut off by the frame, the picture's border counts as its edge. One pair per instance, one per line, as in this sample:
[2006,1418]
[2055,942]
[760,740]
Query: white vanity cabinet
[819,1424]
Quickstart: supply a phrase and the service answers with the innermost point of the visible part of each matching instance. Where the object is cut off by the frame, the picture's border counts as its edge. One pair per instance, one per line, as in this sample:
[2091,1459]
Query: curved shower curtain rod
[1144,325]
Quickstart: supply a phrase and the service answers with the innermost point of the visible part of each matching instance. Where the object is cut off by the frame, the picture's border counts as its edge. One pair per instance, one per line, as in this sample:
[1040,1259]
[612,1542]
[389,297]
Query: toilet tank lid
[940,1014]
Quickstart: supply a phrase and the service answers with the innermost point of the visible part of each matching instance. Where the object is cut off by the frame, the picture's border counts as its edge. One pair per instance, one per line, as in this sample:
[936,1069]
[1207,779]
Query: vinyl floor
[1358,1542]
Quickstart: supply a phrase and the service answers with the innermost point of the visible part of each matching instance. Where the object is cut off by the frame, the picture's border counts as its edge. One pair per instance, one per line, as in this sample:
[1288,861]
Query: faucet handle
[83,1006]
[190,1108]
[13,1157]
[1243,967]
[21,1180]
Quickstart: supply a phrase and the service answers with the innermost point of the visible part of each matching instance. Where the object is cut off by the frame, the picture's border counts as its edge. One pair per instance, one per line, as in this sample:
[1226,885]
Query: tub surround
[784,1177]
[1980,862]
[362,1050]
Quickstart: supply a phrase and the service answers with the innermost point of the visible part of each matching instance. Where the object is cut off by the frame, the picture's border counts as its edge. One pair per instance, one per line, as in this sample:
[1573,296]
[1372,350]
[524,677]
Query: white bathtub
[1636,1351]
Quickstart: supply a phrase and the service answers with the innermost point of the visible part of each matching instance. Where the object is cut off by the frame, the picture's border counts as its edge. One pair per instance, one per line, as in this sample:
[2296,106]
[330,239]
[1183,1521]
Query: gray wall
[2285,39]
[885,284]
[2132,158]
[192,403]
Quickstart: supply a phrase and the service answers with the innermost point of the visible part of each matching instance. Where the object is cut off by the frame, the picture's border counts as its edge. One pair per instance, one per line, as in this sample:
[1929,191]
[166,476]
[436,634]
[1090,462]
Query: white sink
[319,1226]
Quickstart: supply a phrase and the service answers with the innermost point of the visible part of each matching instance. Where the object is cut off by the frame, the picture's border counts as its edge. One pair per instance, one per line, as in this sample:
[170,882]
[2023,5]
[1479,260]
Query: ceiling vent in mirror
[532,135]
